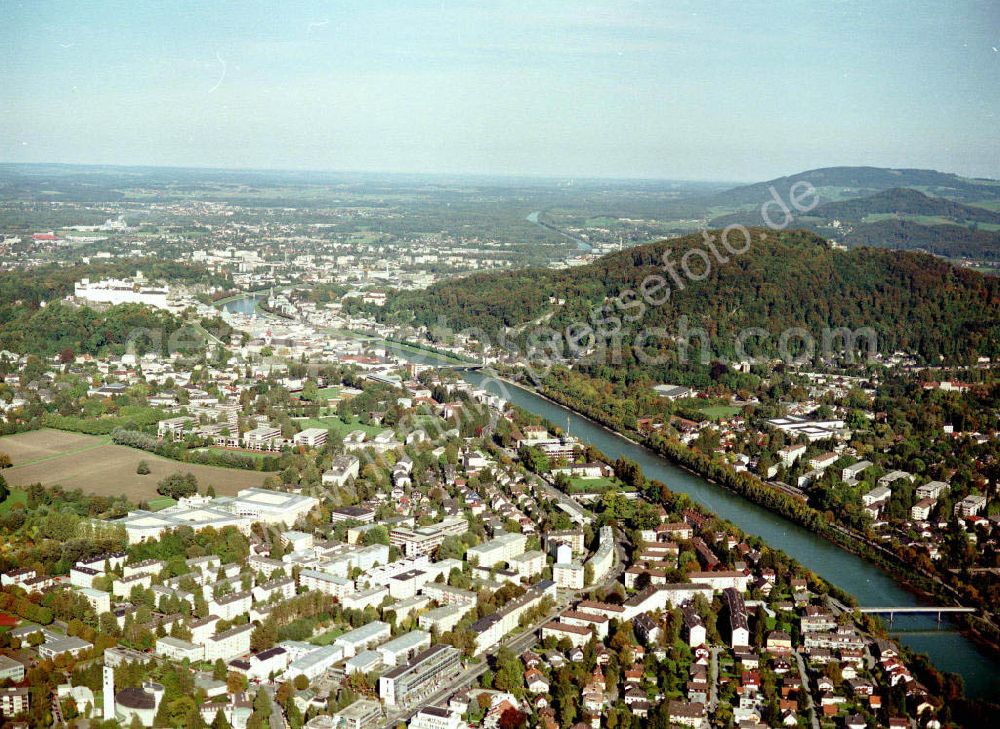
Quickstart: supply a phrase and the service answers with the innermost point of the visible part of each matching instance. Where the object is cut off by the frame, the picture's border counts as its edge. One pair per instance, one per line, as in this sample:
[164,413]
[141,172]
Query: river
[246,305]
[948,648]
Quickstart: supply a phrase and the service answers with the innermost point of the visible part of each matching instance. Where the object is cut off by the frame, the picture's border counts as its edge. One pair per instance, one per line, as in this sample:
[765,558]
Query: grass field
[328,637]
[337,425]
[16,496]
[160,502]
[718,412]
[95,465]
[592,485]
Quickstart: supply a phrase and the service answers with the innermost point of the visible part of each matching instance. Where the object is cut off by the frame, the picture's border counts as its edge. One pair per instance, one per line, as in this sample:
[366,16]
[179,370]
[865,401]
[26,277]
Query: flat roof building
[425,671]
[364,637]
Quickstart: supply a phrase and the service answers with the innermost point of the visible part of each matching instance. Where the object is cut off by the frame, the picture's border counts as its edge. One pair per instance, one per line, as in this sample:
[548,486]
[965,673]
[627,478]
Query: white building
[229,644]
[497,550]
[177,649]
[315,663]
[267,663]
[339,587]
[444,618]
[311,437]
[401,649]
[98,599]
[528,564]
[364,637]
[568,575]
[433,717]
[343,469]
[971,505]
[231,606]
[117,291]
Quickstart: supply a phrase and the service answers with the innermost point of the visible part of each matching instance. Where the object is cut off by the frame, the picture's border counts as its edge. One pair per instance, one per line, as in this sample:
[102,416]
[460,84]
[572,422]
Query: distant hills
[904,201]
[838,183]
[940,213]
[949,241]
[788,279]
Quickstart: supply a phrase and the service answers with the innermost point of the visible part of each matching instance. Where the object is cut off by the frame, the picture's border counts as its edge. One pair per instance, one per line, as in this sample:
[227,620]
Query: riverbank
[927,589]
[420,348]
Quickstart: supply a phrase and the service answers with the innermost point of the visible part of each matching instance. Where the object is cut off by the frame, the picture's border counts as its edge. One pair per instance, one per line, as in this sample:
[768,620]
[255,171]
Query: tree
[310,391]
[376,535]
[236,682]
[178,485]
[219,670]
[565,697]
[264,636]
[5,461]
[219,722]
[142,469]
[293,715]
[509,672]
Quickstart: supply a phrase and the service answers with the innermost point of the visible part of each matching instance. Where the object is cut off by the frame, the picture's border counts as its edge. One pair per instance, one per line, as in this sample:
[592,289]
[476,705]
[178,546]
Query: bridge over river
[916,610]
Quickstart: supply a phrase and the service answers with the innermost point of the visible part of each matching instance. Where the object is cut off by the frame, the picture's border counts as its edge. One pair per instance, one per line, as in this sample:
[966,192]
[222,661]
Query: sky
[663,89]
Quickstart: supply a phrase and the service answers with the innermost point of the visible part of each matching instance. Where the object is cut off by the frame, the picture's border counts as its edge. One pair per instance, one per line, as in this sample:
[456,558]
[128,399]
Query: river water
[247,305]
[948,648]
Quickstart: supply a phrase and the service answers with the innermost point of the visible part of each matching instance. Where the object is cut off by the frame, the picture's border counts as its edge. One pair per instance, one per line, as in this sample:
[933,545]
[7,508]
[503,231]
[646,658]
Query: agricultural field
[97,466]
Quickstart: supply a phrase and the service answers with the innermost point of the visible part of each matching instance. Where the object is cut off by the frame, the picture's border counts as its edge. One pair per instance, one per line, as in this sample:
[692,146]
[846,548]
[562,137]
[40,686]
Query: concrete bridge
[910,610]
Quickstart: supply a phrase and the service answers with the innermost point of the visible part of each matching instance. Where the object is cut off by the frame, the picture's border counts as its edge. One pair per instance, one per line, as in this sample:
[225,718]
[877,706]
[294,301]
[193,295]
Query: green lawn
[328,637]
[161,502]
[594,485]
[718,412]
[16,496]
[328,393]
[337,425]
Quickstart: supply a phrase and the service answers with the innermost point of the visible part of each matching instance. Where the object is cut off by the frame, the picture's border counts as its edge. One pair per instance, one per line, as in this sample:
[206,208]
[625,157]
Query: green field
[16,496]
[161,502]
[328,637]
[337,425]
[593,485]
[718,412]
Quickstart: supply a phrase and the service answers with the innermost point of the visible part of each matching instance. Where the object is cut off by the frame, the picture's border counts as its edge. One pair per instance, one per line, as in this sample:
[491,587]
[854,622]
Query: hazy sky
[738,90]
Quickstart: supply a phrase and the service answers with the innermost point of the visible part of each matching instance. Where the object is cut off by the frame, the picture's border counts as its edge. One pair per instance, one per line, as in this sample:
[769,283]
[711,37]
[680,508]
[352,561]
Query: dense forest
[60,328]
[951,241]
[33,320]
[912,302]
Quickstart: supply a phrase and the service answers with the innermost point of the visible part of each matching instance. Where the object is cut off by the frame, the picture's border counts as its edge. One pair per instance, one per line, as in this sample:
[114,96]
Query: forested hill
[904,201]
[901,202]
[913,301]
[898,218]
[837,183]
[950,241]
